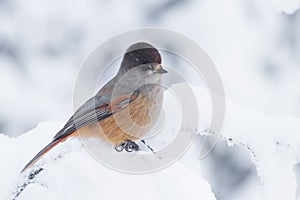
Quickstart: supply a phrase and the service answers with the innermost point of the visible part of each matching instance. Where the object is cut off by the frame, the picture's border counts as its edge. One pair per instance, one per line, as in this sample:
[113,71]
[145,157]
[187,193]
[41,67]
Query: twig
[29,180]
[151,149]
[248,147]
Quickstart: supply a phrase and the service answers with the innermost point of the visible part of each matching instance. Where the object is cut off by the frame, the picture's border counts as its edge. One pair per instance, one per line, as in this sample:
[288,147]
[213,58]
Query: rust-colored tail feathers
[50,146]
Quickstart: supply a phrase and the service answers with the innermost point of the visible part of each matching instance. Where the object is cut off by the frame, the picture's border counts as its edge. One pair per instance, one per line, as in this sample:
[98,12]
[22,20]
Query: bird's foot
[128,146]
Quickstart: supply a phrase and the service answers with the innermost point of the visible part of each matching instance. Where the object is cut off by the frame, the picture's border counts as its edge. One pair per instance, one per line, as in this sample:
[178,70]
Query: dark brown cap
[138,54]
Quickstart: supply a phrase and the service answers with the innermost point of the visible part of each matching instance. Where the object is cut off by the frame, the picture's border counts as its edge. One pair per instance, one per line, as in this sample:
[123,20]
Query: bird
[124,110]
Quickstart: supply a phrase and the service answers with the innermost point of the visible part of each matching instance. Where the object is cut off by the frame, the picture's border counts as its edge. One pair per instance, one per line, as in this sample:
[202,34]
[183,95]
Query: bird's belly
[134,121]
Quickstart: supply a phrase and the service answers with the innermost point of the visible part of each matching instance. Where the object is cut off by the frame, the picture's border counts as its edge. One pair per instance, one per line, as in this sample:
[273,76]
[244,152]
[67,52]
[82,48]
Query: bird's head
[142,58]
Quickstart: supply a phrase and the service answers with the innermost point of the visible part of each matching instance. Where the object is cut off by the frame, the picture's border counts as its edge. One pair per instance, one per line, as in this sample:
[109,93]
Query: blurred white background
[254,44]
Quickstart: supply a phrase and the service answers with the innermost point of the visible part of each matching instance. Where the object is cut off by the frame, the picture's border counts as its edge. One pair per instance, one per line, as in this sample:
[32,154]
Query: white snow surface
[272,143]
[78,176]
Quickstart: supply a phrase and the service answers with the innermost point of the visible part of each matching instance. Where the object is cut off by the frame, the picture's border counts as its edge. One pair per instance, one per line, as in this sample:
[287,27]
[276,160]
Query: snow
[72,173]
[271,141]
[274,141]
[78,176]
[289,7]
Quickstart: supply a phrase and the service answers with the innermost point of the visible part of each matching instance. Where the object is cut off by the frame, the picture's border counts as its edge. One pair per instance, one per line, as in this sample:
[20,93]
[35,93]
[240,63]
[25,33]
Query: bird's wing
[94,110]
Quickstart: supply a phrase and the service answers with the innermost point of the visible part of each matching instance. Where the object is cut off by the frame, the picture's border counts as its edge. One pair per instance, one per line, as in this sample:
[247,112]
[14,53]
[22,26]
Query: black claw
[120,147]
[128,146]
[131,146]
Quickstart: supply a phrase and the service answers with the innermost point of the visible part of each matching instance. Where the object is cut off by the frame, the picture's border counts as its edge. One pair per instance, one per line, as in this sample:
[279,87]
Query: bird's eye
[150,67]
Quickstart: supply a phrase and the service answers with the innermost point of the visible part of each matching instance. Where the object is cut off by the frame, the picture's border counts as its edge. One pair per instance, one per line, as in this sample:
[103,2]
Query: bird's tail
[50,146]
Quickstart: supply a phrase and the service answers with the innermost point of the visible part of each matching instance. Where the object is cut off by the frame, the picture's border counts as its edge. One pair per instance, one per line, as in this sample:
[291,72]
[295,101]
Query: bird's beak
[160,70]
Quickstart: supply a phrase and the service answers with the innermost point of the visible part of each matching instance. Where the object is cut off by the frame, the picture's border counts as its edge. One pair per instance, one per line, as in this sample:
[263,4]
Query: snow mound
[76,175]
